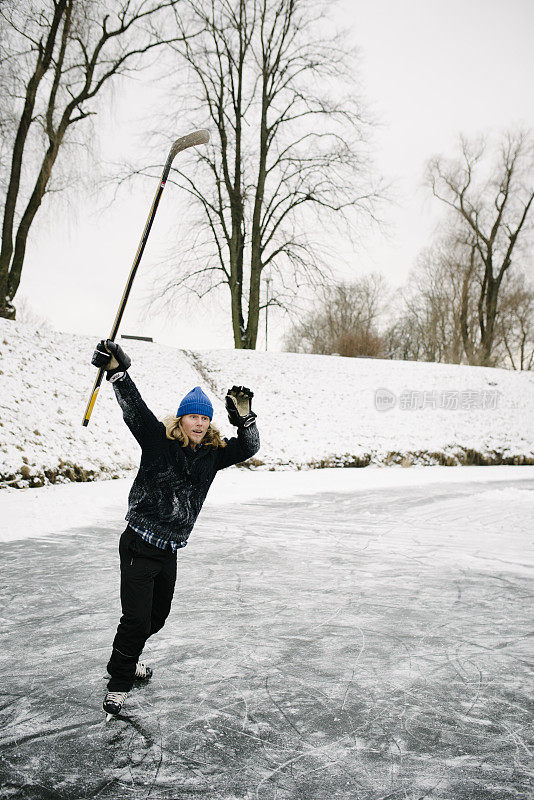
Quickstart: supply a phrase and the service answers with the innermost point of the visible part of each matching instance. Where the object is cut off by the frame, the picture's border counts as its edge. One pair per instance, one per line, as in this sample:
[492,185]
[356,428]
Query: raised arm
[142,422]
[144,425]
[247,442]
[245,445]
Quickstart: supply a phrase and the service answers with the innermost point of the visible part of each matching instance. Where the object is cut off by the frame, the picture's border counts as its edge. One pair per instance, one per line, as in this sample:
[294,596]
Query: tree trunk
[486,344]
[256,264]
[464,310]
[7,281]
[7,310]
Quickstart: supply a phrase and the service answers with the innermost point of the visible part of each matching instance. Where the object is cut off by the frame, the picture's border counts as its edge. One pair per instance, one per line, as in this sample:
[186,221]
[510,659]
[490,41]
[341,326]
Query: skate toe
[111,707]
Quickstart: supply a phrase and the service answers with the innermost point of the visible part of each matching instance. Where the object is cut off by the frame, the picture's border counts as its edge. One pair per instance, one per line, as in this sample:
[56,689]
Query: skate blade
[110,716]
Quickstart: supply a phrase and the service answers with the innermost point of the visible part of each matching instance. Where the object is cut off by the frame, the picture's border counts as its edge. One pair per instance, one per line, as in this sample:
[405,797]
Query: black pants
[148,575]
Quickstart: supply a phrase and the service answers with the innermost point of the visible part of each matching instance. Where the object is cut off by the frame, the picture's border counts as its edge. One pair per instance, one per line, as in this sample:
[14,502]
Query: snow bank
[313,411]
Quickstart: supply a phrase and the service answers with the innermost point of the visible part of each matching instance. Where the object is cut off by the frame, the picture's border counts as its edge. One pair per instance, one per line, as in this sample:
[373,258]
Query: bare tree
[345,321]
[439,289]
[515,323]
[438,306]
[56,58]
[402,339]
[285,139]
[490,207]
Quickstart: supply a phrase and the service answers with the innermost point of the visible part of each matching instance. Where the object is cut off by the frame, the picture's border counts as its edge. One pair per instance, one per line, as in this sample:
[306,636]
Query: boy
[180,457]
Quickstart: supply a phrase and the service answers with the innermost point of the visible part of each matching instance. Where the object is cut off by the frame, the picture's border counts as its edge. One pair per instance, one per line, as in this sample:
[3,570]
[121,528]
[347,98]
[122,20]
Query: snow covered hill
[313,411]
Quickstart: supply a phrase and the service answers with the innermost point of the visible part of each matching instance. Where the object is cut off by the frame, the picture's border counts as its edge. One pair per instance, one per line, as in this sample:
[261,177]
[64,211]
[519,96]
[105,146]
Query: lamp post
[268,285]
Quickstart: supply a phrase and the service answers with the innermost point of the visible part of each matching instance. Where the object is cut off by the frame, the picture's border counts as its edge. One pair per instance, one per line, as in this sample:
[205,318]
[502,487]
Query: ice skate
[143,672]
[113,703]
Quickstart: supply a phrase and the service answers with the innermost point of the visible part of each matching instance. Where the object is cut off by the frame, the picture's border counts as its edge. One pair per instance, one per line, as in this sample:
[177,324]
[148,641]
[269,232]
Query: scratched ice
[367,645]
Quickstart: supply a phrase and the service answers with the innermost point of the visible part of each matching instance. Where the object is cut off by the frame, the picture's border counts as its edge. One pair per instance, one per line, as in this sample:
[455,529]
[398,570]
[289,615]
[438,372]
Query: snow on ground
[312,410]
[49,511]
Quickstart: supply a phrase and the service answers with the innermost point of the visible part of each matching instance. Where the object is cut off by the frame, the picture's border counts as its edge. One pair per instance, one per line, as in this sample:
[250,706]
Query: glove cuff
[246,422]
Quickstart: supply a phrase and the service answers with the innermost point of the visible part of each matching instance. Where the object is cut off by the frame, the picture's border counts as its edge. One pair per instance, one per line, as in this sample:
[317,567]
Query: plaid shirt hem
[163,544]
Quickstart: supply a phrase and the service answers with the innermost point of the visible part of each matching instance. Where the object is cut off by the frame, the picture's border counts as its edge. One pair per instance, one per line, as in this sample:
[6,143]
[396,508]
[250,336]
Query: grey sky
[429,69]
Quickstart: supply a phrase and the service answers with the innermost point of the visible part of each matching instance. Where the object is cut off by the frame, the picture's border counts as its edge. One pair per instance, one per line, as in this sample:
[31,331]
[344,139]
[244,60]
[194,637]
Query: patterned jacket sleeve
[239,448]
[144,425]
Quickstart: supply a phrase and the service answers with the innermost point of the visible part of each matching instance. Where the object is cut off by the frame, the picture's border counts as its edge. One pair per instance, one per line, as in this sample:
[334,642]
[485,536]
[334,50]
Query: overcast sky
[429,70]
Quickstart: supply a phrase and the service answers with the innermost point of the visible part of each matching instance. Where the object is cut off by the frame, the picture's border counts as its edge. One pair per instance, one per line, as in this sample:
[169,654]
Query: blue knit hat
[195,402]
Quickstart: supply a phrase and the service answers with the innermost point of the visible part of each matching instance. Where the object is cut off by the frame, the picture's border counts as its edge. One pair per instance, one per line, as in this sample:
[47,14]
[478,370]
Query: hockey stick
[198,137]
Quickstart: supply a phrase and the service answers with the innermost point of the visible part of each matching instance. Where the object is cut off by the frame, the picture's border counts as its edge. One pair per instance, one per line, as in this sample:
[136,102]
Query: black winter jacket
[173,481]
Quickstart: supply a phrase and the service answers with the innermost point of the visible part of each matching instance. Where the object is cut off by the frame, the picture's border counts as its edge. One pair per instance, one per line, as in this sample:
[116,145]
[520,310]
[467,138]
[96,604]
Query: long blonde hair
[174,430]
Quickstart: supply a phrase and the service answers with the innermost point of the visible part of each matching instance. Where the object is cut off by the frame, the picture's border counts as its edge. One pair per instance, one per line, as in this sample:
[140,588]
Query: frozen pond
[371,645]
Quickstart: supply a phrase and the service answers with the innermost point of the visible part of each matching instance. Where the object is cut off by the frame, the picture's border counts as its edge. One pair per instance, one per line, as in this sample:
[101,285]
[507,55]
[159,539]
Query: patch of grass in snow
[29,476]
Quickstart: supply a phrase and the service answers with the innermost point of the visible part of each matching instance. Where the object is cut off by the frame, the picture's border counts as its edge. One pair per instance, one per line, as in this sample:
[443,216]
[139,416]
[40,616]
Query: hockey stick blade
[192,139]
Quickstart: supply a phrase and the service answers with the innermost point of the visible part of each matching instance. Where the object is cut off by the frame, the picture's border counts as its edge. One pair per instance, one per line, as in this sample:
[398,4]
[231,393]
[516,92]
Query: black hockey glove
[238,402]
[118,362]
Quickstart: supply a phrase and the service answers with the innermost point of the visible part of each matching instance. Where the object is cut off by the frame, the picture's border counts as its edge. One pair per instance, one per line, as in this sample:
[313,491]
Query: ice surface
[342,644]
[51,511]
